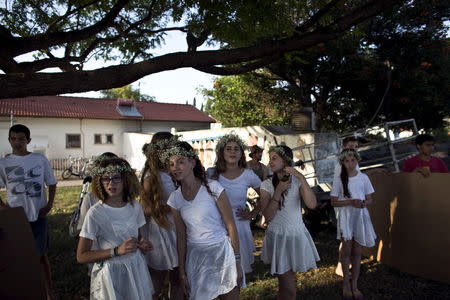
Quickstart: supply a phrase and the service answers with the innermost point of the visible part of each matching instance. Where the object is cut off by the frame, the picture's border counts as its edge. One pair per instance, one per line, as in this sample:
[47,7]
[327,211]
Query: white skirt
[355,223]
[164,255]
[121,278]
[210,269]
[289,249]
[246,244]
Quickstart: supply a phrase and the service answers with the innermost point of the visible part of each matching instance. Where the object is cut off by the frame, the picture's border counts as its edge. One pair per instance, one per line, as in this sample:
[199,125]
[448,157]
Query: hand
[425,171]
[144,245]
[240,274]
[129,246]
[185,284]
[243,214]
[358,203]
[282,186]
[292,171]
[45,210]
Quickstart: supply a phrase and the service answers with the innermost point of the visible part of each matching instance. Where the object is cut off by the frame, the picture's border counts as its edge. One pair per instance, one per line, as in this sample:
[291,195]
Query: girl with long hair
[350,195]
[287,246]
[230,170]
[207,241]
[160,228]
[111,236]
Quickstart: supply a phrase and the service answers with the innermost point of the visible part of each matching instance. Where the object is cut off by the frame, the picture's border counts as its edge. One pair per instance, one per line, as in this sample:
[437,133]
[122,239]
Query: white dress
[353,222]
[210,263]
[121,277]
[164,255]
[236,190]
[287,244]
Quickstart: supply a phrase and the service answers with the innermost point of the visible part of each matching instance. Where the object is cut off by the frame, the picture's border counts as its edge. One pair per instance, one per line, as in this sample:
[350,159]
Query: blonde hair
[131,187]
[151,200]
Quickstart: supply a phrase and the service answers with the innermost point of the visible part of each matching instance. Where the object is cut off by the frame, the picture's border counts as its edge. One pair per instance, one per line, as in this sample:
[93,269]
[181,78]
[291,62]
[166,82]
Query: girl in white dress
[287,246]
[115,225]
[350,195]
[160,228]
[230,170]
[207,241]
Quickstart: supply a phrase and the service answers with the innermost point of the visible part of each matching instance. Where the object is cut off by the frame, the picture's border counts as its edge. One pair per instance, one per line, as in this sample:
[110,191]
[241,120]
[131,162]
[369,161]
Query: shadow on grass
[70,279]
[377,281]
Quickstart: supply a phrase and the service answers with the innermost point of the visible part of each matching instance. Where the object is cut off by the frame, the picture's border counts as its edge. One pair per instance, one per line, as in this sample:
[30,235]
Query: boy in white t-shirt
[25,174]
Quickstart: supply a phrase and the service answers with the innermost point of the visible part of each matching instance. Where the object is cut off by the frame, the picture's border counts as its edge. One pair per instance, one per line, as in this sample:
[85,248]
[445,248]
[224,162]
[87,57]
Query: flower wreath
[280,151]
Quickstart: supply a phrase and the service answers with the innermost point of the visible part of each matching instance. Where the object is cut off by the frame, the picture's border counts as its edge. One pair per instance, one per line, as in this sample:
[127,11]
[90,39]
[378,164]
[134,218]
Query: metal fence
[61,164]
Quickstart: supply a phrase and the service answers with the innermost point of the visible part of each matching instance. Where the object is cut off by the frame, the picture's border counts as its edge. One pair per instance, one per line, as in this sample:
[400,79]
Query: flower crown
[230,137]
[120,168]
[348,153]
[177,150]
[280,151]
[157,148]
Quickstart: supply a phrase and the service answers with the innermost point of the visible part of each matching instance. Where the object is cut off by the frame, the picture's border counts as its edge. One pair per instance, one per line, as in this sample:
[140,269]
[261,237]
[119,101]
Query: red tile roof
[91,108]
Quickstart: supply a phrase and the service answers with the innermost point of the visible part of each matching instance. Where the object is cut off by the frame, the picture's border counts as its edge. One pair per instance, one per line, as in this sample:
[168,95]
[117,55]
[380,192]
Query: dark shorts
[40,233]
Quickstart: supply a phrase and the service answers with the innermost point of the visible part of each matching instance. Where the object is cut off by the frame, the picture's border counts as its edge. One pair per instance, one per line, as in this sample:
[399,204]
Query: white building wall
[49,135]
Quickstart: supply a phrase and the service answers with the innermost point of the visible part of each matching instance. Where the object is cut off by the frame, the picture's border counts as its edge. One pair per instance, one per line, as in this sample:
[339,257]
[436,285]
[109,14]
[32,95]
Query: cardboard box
[21,274]
[411,217]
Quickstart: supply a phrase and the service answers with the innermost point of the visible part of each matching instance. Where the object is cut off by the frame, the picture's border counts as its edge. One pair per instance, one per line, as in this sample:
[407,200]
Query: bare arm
[227,216]
[350,202]
[181,240]
[51,198]
[270,204]
[369,199]
[86,255]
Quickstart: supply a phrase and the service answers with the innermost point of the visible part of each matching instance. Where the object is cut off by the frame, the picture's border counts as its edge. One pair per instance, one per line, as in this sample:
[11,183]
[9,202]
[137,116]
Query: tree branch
[19,85]
[21,45]
[235,70]
[317,16]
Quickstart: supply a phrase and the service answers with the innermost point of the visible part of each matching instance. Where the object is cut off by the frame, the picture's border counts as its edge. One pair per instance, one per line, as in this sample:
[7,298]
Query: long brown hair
[199,170]
[344,174]
[221,164]
[151,200]
[131,187]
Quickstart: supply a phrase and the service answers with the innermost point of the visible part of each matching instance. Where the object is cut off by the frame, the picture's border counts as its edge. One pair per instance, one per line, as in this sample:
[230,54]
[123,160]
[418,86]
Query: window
[109,139]
[97,138]
[73,140]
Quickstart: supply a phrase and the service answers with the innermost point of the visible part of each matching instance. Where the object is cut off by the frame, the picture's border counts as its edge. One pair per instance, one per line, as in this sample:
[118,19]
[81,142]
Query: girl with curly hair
[287,246]
[111,236]
[207,241]
[230,170]
[160,228]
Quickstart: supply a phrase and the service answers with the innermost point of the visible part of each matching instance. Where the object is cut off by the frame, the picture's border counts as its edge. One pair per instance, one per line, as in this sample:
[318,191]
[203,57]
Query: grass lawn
[377,280]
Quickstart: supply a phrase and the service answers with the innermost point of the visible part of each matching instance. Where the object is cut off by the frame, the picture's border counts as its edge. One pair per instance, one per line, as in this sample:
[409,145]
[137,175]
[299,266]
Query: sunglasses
[114,179]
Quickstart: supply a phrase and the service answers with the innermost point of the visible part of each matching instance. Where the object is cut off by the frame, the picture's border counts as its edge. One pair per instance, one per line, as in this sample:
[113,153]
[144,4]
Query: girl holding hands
[350,195]
[287,246]
[111,236]
[207,241]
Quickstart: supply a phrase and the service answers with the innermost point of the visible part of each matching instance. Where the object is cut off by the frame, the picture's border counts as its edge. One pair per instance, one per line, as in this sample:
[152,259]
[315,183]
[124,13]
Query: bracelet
[116,251]
[237,256]
[111,253]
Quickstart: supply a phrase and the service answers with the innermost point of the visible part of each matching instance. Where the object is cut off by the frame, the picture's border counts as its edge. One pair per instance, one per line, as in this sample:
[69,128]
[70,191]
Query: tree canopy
[395,66]
[66,34]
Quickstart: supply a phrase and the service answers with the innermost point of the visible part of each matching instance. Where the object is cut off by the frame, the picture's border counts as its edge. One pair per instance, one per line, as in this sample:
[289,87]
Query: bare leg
[338,270]
[356,267]
[286,286]
[345,255]
[176,292]
[158,278]
[45,264]
[231,295]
